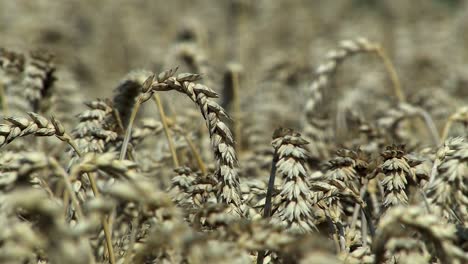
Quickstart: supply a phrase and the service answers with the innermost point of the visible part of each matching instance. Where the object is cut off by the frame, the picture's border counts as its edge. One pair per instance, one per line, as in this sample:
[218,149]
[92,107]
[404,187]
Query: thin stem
[271,186]
[446,130]
[46,187]
[116,115]
[108,235]
[363,228]
[104,219]
[425,200]
[75,202]
[68,187]
[392,73]
[357,207]
[128,133]
[69,140]
[267,209]
[195,152]
[166,129]
[341,235]
[430,126]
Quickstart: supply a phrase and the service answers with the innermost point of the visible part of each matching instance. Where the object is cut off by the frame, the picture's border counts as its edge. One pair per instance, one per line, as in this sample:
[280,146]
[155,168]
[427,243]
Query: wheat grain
[448,188]
[295,207]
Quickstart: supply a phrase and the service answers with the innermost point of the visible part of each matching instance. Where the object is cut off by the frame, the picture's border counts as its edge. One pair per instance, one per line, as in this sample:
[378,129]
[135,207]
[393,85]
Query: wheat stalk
[313,127]
[221,137]
[461,115]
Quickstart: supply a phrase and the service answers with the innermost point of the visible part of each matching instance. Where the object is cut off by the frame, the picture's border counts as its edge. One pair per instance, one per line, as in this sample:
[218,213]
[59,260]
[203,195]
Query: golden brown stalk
[143,97]
[379,50]
[196,154]
[162,115]
[460,115]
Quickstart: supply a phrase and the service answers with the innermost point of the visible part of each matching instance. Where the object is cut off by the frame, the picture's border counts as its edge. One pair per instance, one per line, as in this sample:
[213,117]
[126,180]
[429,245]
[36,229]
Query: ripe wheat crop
[232,148]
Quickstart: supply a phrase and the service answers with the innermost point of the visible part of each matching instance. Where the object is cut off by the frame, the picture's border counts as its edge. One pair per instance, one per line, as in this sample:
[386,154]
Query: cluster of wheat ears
[385,186]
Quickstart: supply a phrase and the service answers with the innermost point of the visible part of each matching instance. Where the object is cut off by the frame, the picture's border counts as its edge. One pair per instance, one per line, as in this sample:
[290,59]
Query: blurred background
[273,45]
[100,41]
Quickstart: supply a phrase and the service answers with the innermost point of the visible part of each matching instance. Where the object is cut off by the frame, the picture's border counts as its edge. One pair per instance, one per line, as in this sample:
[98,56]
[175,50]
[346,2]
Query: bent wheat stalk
[222,141]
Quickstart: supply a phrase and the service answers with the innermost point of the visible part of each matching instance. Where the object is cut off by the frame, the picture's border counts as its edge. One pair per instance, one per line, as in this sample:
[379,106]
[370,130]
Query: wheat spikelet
[324,72]
[37,126]
[38,77]
[34,203]
[66,99]
[295,206]
[448,188]
[314,128]
[26,79]
[461,115]
[11,69]
[92,133]
[340,172]
[397,174]
[181,184]
[22,170]
[430,226]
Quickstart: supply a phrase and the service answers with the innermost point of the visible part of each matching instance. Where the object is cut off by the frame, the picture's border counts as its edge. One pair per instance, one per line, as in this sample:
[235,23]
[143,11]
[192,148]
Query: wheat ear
[222,140]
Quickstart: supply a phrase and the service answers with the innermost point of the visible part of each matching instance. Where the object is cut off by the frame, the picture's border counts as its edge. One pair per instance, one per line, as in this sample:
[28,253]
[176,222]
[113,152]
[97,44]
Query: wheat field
[233,131]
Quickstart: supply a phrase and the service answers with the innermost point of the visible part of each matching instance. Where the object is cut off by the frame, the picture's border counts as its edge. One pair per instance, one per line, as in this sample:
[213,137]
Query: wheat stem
[460,114]
[391,72]
[104,222]
[363,228]
[162,115]
[196,154]
[128,133]
[357,207]
[271,186]
[68,187]
[104,219]
[74,199]
[430,126]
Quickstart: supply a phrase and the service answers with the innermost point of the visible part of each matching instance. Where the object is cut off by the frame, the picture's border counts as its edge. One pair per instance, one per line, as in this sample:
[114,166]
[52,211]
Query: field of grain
[234,131]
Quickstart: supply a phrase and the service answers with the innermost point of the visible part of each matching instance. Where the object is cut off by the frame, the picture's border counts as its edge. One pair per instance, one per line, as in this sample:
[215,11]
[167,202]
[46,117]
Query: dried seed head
[295,206]
[147,84]
[163,76]
[59,129]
